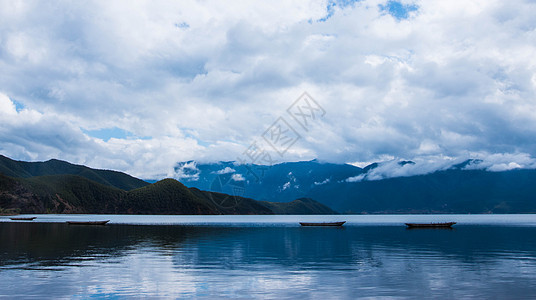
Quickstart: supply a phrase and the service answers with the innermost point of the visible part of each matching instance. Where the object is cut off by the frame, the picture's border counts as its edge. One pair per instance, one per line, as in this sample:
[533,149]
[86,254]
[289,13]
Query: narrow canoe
[87,222]
[23,218]
[323,224]
[430,225]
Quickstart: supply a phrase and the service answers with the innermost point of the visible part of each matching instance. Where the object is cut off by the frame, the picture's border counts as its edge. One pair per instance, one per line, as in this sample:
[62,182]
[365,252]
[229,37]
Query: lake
[482,257]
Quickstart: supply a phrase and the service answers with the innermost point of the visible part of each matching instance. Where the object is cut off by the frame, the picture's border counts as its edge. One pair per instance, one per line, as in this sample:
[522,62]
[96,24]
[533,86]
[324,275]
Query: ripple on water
[59,261]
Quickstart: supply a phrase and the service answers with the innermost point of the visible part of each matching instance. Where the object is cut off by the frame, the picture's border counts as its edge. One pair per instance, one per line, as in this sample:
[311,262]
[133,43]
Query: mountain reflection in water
[58,260]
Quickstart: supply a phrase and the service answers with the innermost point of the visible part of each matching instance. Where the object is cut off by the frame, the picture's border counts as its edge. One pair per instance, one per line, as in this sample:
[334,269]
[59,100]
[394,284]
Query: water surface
[492,256]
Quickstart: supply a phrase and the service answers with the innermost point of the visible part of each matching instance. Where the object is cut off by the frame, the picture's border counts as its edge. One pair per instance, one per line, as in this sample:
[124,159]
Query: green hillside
[68,193]
[302,206]
[233,205]
[22,169]
[58,194]
[167,196]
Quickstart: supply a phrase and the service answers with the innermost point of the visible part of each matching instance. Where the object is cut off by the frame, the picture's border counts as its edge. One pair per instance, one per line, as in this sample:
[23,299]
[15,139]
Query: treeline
[74,194]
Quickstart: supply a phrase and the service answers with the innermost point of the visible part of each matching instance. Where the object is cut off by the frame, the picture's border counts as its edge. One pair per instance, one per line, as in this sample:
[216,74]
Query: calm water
[485,256]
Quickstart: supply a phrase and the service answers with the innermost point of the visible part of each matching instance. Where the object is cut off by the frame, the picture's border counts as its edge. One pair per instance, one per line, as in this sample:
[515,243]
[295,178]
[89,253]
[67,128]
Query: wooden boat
[88,222]
[430,225]
[323,224]
[23,218]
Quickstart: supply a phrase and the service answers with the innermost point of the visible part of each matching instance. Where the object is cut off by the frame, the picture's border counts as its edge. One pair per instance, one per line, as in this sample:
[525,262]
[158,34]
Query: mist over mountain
[281,182]
[469,186]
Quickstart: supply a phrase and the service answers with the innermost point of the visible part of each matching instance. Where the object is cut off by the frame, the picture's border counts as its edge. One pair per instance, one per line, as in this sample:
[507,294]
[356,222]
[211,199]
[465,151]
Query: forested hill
[57,191]
[22,169]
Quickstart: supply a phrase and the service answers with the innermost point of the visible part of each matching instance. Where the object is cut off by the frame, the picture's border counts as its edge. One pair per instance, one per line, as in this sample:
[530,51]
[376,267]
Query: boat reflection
[206,261]
[56,243]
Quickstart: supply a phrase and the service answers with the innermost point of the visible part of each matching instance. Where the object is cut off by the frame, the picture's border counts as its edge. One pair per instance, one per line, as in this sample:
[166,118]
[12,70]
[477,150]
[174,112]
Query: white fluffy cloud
[225,170]
[203,80]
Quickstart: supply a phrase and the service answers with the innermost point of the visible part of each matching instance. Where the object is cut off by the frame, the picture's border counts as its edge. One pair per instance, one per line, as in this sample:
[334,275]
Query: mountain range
[57,186]
[461,188]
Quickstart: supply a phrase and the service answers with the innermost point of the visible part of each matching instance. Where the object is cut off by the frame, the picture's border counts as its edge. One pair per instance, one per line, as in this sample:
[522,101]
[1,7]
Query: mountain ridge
[463,187]
[23,169]
[76,193]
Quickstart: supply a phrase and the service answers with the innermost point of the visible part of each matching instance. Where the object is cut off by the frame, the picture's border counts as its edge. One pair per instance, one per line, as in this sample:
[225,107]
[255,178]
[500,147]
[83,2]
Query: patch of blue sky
[395,8]
[106,134]
[192,134]
[330,8]
[199,142]
[398,10]
[18,106]
[182,25]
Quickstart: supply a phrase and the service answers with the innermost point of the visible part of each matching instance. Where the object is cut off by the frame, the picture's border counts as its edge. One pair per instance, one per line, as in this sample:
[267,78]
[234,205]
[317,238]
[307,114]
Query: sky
[138,86]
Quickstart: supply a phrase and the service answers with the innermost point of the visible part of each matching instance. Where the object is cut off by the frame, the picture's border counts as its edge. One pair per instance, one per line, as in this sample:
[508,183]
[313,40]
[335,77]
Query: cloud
[327,180]
[225,170]
[238,177]
[285,186]
[7,107]
[187,170]
[357,178]
[495,162]
[396,168]
[139,86]
[27,133]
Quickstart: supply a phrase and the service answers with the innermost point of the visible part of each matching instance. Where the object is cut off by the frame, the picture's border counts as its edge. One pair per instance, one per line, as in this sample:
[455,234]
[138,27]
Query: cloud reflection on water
[58,260]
